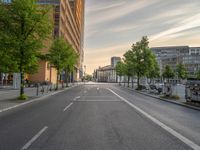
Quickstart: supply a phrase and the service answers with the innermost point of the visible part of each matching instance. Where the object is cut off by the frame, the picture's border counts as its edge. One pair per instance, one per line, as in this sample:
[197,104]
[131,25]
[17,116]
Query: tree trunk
[57,80]
[67,78]
[22,83]
[138,81]
[128,80]
[120,80]
[132,83]
[124,81]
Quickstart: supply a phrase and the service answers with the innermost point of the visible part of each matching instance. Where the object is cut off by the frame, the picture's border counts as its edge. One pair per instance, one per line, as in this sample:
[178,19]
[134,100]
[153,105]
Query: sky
[112,26]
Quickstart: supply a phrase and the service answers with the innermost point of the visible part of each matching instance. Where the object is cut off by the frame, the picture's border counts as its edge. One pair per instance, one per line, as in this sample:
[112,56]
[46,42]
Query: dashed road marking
[28,144]
[78,97]
[67,107]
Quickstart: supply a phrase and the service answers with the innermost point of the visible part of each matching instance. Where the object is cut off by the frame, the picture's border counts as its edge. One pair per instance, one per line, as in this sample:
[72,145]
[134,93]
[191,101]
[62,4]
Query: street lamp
[84,70]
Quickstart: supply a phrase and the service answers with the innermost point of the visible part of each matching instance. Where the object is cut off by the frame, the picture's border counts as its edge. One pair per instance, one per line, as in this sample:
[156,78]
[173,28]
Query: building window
[7,1]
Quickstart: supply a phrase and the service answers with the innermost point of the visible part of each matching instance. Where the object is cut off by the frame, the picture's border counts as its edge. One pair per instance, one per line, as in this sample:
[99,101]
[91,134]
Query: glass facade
[49,1]
[7,1]
[188,56]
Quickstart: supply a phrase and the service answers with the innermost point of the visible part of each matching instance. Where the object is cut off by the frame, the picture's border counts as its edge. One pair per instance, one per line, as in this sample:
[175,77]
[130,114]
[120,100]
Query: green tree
[128,65]
[154,72]
[198,75]
[59,56]
[71,62]
[168,73]
[88,77]
[23,27]
[141,59]
[120,70]
[181,71]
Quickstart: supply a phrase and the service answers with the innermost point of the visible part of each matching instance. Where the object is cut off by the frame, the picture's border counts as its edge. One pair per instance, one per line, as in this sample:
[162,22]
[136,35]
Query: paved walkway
[8,96]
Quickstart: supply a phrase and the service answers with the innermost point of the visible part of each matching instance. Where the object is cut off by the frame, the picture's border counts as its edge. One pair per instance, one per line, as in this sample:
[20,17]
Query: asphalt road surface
[100,117]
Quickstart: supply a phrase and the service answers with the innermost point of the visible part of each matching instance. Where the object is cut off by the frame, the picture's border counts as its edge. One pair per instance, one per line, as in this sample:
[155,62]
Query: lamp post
[84,70]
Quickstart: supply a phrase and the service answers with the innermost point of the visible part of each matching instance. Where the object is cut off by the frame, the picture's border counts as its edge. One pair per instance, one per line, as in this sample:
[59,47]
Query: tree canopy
[198,75]
[24,25]
[168,72]
[141,60]
[181,71]
[120,68]
[62,56]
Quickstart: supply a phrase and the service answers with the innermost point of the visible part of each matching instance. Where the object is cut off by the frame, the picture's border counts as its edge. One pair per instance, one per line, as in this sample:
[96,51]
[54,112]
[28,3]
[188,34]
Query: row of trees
[63,57]
[24,28]
[140,62]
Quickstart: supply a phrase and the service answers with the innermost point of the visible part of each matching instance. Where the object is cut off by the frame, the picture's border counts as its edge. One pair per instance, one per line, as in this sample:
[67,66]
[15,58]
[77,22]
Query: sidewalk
[181,102]
[8,97]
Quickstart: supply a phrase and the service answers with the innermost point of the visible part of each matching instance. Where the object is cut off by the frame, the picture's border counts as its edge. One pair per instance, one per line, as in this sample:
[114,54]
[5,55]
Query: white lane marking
[162,125]
[28,144]
[67,107]
[97,88]
[98,100]
[78,97]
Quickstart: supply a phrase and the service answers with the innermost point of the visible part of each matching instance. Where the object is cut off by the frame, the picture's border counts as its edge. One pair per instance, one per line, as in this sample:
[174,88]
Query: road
[100,117]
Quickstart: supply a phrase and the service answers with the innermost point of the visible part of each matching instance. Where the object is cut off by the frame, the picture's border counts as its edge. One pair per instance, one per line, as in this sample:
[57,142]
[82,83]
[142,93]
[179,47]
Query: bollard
[42,90]
[37,91]
[48,89]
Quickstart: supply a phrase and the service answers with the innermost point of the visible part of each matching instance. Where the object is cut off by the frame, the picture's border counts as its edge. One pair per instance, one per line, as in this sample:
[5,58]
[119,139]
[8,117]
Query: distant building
[192,61]
[114,61]
[107,73]
[173,55]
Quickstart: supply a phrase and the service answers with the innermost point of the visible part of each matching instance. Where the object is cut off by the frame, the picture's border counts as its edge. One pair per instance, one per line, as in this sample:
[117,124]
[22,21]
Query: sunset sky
[111,26]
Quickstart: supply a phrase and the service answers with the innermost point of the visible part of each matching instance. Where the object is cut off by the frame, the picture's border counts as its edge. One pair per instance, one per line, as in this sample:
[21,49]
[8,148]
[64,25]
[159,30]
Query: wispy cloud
[188,23]
[123,10]
[105,6]
[108,49]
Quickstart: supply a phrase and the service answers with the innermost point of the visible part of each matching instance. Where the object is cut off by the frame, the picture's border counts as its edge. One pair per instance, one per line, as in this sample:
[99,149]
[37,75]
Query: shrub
[22,97]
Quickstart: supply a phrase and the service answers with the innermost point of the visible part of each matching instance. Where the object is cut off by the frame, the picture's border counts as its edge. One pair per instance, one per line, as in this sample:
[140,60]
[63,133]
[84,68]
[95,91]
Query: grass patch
[197,104]
[174,97]
[22,97]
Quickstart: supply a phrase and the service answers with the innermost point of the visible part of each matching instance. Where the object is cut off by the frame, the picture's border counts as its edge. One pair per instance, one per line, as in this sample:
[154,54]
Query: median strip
[162,125]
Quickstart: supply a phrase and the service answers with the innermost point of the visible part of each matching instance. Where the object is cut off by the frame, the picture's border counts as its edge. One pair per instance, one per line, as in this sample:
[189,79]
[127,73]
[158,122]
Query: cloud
[188,23]
[116,13]
[105,7]
[112,24]
[108,49]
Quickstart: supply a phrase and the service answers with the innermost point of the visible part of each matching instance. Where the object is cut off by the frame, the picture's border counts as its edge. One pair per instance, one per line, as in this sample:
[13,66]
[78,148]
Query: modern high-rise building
[173,55]
[68,17]
[115,60]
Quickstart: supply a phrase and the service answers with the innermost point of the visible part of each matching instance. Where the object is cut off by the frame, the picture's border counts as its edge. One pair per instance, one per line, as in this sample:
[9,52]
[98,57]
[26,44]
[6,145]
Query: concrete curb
[170,101]
[37,99]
